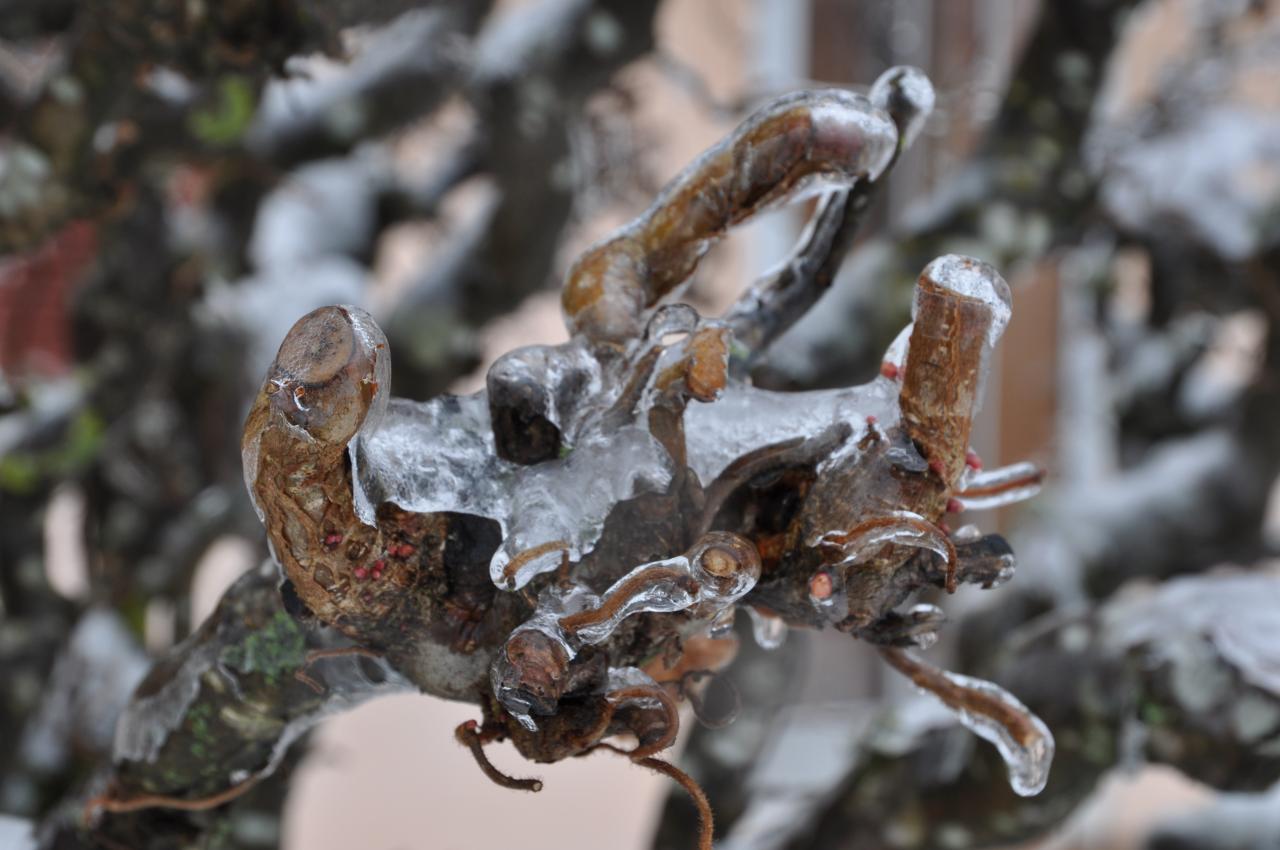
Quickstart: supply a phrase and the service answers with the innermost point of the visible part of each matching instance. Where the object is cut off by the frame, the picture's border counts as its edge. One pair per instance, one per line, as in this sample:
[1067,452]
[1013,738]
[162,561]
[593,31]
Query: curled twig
[472,737]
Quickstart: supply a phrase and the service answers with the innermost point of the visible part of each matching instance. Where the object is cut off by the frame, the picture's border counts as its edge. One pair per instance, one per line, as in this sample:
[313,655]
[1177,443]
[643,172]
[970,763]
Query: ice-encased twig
[532,672]
[794,144]
[988,710]
[776,301]
[224,709]
[1123,682]
[994,488]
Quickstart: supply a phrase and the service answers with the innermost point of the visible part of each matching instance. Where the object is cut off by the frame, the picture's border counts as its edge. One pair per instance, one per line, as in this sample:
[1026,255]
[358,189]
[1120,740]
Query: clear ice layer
[902,528]
[659,587]
[660,596]
[745,418]
[439,456]
[975,280]
[906,94]
[986,489]
[769,632]
[1028,759]
[992,713]
[626,678]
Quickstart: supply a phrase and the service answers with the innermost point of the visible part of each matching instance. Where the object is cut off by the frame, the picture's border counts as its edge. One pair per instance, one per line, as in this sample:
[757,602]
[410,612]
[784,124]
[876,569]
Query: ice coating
[769,632]
[828,593]
[330,376]
[373,340]
[994,488]
[896,353]
[434,455]
[553,604]
[148,721]
[719,570]
[903,528]
[439,456]
[989,711]
[745,418]
[642,402]
[534,394]
[907,95]
[975,280]
[628,686]
[792,147]
[155,713]
[1028,757]
[706,582]
[929,616]
[662,587]
[849,136]
[570,500]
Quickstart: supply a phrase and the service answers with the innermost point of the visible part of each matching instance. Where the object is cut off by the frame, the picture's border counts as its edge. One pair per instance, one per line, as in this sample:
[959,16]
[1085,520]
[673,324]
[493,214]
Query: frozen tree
[567,549]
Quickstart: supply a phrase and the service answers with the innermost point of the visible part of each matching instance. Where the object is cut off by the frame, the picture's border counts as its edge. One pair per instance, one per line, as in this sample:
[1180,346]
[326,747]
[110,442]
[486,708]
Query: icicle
[994,488]
[769,632]
[992,713]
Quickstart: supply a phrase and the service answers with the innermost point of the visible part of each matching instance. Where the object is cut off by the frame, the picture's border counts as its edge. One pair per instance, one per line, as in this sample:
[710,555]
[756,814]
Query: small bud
[821,586]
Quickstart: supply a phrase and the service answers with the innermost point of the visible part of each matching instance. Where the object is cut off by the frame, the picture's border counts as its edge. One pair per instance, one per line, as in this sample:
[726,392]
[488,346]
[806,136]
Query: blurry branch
[138,77]
[400,73]
[717,757]
[24,19]
[1116,686]
[1232,822]
[219,714]
[534,68]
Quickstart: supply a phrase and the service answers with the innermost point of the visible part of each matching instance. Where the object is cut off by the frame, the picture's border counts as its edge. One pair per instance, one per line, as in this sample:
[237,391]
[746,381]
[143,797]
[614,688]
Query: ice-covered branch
[1117,686]
[1243,821]
[219,714]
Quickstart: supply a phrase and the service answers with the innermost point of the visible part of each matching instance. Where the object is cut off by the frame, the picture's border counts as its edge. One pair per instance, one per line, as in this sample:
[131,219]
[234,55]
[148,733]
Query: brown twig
[471,737]
[669,708]
[706,819]
[620,595]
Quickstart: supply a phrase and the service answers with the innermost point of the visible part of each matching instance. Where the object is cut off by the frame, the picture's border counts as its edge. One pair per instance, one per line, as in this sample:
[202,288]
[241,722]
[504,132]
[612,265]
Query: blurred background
[180,181]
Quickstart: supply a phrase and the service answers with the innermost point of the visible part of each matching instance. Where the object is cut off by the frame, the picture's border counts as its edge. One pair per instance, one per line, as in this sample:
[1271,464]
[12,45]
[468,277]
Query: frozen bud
[521,406]
[529,674]
[726,565]
[907,95]
[973,280]
[331,374]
